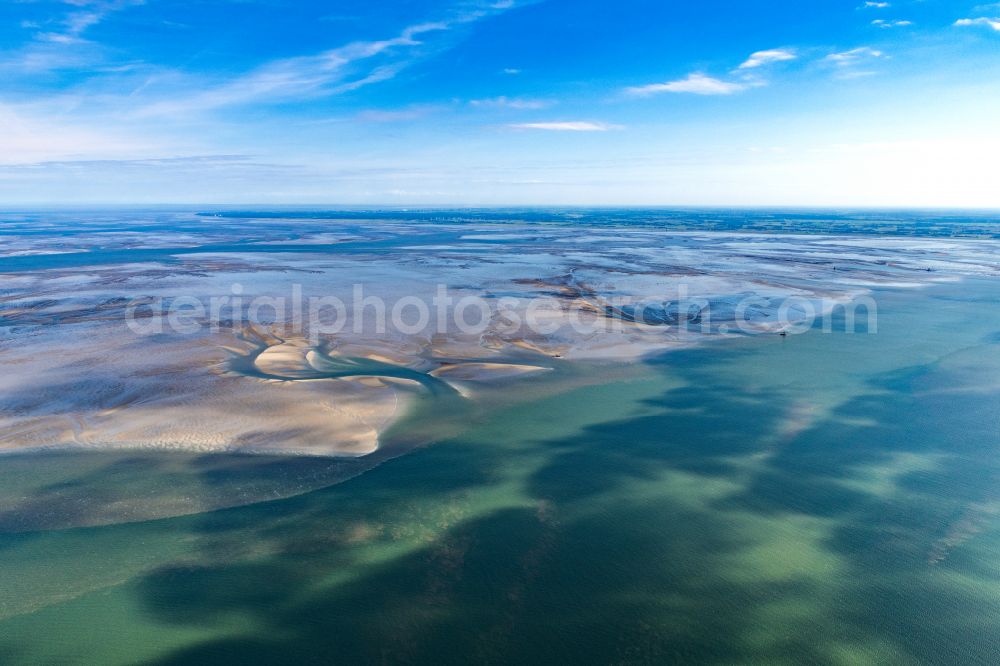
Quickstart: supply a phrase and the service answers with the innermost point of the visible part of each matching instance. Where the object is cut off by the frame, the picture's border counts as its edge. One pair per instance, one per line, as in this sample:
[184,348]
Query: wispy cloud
[851,64]
[330,72]
[567,126]
[891,24]
[61,43]
[88,14]
[699,83]
[993,23]
[870,4]
[696,84]
[854,56]
[145,162]
[31,135]
[503,102]
[325,73]
[395,115]
[761,58]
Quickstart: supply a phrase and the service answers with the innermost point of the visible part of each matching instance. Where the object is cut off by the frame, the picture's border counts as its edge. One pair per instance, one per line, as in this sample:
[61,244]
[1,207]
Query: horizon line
[403,207]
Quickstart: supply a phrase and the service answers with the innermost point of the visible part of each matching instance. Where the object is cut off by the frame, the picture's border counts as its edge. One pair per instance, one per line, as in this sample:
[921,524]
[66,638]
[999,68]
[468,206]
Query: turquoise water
[821,498]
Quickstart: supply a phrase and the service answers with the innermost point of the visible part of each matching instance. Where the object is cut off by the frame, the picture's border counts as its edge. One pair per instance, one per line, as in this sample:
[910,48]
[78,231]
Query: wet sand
[77,377]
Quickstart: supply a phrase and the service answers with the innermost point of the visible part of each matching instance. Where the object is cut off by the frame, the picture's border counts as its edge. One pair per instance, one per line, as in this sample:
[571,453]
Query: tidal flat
[679,482]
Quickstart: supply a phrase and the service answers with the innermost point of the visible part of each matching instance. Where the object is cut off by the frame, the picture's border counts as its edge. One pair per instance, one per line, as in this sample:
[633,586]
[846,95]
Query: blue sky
[469,102]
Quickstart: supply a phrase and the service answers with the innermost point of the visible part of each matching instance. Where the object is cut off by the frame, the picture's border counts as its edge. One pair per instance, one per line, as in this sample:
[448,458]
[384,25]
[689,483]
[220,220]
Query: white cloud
[568,126]
[61,42]
[511,70]
[89,14]
[854,56]
[394,115]
[852,64]
[876,5]
[993,23]
[503,102]
[761,58]
[59,38]
[696,84]
[30,135]
[849,74]
[328,73]
[891,24]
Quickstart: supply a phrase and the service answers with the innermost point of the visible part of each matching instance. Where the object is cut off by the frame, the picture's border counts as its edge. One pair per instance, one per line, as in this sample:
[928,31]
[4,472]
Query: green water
[823,498]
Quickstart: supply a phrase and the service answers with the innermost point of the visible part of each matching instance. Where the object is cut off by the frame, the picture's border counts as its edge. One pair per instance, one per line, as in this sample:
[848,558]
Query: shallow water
[824,498]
